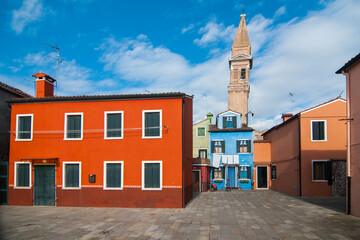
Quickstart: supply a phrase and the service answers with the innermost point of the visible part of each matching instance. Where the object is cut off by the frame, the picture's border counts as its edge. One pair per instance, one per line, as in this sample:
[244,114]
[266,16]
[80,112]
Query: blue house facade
[231,144]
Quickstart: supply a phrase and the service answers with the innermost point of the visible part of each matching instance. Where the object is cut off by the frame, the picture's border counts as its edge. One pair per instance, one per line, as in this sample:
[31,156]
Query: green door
[44,185]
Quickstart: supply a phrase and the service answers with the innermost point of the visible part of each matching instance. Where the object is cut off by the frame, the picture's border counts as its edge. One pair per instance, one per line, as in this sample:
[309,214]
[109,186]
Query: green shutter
[24,127]
[73,126]
[237,146]
[234,122]
[22,178]
[223,146]
[152,175]
[152,124]
[72,175]
[113,175]
[321,130]
[224,122]
[248,142]
[223,172]
[248,169]
[114,125]
[212,146]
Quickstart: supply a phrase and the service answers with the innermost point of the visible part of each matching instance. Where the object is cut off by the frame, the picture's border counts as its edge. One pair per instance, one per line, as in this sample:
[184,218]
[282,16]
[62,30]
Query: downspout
[348,142]
[300,188]
[183,151]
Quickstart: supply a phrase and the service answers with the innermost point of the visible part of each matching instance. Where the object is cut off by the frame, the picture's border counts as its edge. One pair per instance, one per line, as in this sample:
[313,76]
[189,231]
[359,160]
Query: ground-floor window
[273,172]
[244,172]
[219,173]
[113,175]
[22,174]
[321,170]
[151,175]
[71,175]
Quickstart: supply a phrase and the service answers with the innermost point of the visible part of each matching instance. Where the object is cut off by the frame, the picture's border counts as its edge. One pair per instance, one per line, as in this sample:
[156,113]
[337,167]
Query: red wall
[93,150]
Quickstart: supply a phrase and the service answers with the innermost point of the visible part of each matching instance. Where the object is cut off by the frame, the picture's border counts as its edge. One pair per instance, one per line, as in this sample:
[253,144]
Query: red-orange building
[352,72]
[308,151]
[106,151]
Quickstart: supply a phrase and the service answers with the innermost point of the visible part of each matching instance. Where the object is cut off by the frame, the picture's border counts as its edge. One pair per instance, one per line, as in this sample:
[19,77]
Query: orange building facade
[308,151]
[101,151]
[352,72]
[262,164]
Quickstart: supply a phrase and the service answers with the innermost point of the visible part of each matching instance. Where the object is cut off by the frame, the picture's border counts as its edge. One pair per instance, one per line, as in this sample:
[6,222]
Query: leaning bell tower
[240,64]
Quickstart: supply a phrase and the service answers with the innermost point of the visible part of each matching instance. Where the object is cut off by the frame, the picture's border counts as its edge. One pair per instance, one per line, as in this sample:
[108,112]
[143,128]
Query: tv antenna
[291,95]
[58,61]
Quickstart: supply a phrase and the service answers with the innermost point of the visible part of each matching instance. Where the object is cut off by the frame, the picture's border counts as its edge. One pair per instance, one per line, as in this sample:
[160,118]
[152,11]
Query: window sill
[151,189]
[23,140]
[113,138]
[71,188]
[154,137]
[116,189]
[319,180]
[318,140]
[22,187]
[73,139]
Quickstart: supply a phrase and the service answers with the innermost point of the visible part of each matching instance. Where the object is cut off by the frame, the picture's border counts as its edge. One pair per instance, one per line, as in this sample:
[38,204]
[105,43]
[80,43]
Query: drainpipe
[348,143]
[300,188]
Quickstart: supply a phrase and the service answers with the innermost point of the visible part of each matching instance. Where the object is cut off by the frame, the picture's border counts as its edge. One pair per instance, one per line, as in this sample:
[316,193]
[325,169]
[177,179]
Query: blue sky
[116,47]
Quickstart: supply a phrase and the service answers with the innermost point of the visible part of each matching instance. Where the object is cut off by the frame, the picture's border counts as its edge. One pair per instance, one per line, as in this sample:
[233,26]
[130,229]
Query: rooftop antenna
[291,95]
[340,94]
[58,61]
[34,82]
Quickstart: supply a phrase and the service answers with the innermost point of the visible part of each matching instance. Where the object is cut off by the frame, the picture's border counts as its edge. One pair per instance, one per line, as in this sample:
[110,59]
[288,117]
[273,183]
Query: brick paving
[219,215]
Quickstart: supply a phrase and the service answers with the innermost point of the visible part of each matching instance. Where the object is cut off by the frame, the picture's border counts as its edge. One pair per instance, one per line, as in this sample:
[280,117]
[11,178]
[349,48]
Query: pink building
[352,72]
[308,151]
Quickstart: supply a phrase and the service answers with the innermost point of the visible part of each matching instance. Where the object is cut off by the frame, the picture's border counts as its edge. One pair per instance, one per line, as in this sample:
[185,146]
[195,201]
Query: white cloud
[213,32]
[157,69]
[30,11]
[188,28]
[281,11]
[301,57]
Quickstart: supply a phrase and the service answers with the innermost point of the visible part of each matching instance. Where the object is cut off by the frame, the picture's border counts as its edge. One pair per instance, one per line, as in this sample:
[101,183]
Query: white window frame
[122,124]
[17,127]
[143,123]
[82,126]
[197,131]
[325,130]
[143,176]
[63,176]
[122,176]
[15,175]
[217,140]
[312,171]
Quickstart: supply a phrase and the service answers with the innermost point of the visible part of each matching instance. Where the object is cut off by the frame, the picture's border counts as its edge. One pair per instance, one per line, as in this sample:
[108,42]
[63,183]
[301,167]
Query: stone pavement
[219,215]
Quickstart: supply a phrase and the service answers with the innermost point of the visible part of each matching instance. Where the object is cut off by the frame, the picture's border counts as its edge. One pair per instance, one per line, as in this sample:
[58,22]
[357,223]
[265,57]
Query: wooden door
[196,181]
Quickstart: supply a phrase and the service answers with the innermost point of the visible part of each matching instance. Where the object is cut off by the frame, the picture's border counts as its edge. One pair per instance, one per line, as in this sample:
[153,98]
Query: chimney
[44,85]
[286,116]
[209,116]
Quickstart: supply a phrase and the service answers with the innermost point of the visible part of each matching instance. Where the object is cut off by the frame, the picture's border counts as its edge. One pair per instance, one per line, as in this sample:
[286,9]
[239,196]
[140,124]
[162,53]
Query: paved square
[219,215]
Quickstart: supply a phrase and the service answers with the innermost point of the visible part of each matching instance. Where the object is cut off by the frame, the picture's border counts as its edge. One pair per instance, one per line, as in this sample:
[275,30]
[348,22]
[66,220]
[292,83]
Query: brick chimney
[44,85]
[286,116]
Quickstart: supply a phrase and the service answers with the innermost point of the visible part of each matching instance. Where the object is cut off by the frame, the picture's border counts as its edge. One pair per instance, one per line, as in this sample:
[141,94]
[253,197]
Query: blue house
[231,144]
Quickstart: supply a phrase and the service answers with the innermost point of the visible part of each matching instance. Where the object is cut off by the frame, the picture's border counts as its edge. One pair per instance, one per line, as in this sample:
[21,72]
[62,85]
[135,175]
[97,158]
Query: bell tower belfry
[240,64]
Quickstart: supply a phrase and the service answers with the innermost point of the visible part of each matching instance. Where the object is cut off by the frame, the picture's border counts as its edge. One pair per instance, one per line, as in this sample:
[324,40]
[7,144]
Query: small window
[201,131]
[113,175]
[152,124]
[218,146]
[318,130]
[24,125]
[322,170]
[273,172]
[243,73]
[244,172]
[71,175]
[152,175]
[22,175]
[202,153]
[243,146]
[219,173]
[73,126]
[114,125]
[229,122]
